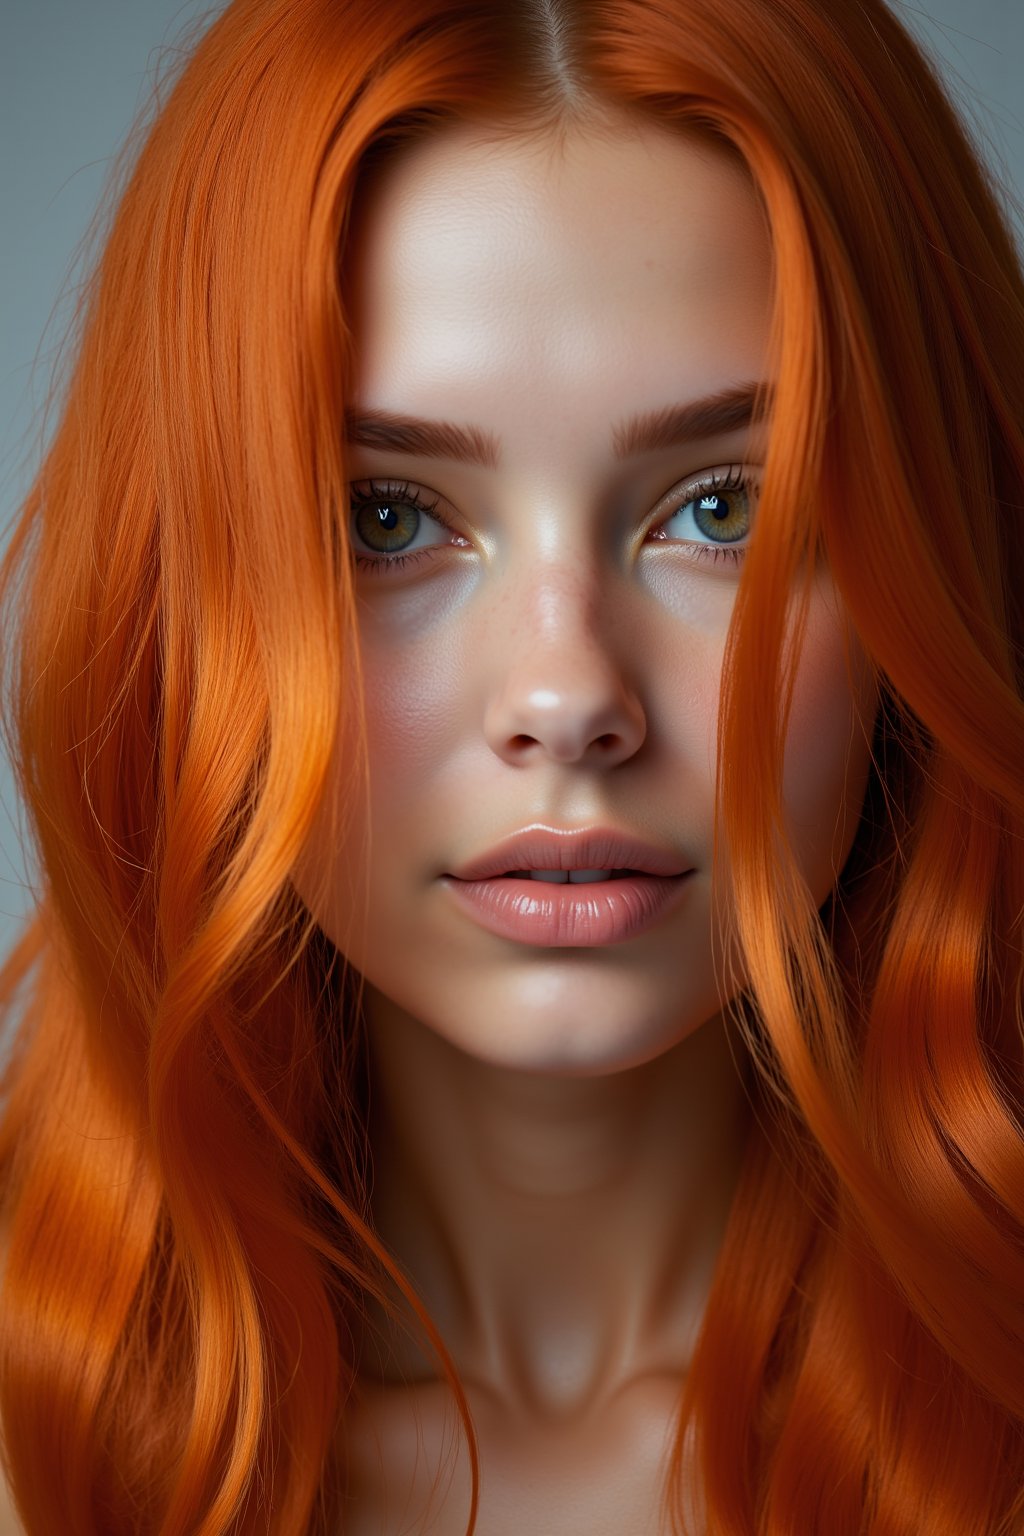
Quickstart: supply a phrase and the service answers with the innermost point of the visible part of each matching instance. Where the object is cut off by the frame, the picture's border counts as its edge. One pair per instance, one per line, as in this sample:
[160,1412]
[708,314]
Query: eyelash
[734,479]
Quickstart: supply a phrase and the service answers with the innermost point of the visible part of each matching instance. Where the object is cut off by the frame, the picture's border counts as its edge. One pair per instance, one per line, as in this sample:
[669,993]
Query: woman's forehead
[524,276]
[460,203]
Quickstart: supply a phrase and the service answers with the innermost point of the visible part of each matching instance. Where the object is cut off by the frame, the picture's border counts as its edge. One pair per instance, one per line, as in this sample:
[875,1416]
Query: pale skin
[556,1131]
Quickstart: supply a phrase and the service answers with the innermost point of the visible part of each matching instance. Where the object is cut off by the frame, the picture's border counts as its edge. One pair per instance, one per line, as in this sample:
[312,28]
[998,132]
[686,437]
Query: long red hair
[182,1149]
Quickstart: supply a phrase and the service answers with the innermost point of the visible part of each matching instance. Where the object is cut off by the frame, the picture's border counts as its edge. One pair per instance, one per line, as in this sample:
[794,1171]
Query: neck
[560,1230]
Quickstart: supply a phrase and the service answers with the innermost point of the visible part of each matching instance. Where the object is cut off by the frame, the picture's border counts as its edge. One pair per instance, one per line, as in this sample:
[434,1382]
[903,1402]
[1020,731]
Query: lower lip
[570,916]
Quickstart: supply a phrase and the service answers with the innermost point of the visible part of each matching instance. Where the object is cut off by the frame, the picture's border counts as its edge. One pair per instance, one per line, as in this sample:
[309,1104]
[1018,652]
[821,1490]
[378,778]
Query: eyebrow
[673,426]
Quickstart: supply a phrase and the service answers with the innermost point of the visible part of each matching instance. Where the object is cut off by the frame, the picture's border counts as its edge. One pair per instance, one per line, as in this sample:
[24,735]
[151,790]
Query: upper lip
[565,848]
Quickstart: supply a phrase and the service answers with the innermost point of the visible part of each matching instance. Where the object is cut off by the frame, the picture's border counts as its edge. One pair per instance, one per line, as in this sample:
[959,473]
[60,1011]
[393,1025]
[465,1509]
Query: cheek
[417,672]
[353,847]
[409,726]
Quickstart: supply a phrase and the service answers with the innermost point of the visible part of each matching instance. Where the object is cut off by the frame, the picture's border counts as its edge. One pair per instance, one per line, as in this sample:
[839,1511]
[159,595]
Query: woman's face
[547,654]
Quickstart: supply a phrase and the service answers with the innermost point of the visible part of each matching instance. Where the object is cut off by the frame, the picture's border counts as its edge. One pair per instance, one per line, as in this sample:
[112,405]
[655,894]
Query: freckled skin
[557,1132]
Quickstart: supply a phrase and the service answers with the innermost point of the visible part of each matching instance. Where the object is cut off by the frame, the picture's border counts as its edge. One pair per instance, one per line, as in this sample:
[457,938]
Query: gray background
[73,76]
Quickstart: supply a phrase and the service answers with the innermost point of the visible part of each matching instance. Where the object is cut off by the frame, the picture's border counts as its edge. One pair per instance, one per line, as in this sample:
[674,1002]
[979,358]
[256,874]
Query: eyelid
[430,501]
[715,477]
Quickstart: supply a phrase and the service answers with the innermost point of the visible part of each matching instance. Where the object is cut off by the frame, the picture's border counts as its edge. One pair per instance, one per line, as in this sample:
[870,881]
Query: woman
[635,504]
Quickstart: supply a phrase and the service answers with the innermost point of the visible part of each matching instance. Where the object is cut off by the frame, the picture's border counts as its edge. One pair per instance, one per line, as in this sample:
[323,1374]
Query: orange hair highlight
[182,1149]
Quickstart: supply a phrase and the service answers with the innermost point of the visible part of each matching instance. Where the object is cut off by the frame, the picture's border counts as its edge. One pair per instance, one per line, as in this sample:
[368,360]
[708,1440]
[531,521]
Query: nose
[559,689]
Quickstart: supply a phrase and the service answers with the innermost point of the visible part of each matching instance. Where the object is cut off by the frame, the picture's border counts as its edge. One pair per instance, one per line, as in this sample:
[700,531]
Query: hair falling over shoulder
[182,1148]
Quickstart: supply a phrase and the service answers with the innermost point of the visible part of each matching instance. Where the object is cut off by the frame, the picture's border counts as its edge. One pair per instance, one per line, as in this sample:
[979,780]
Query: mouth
[569,908]
[569,876]
[576,856]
